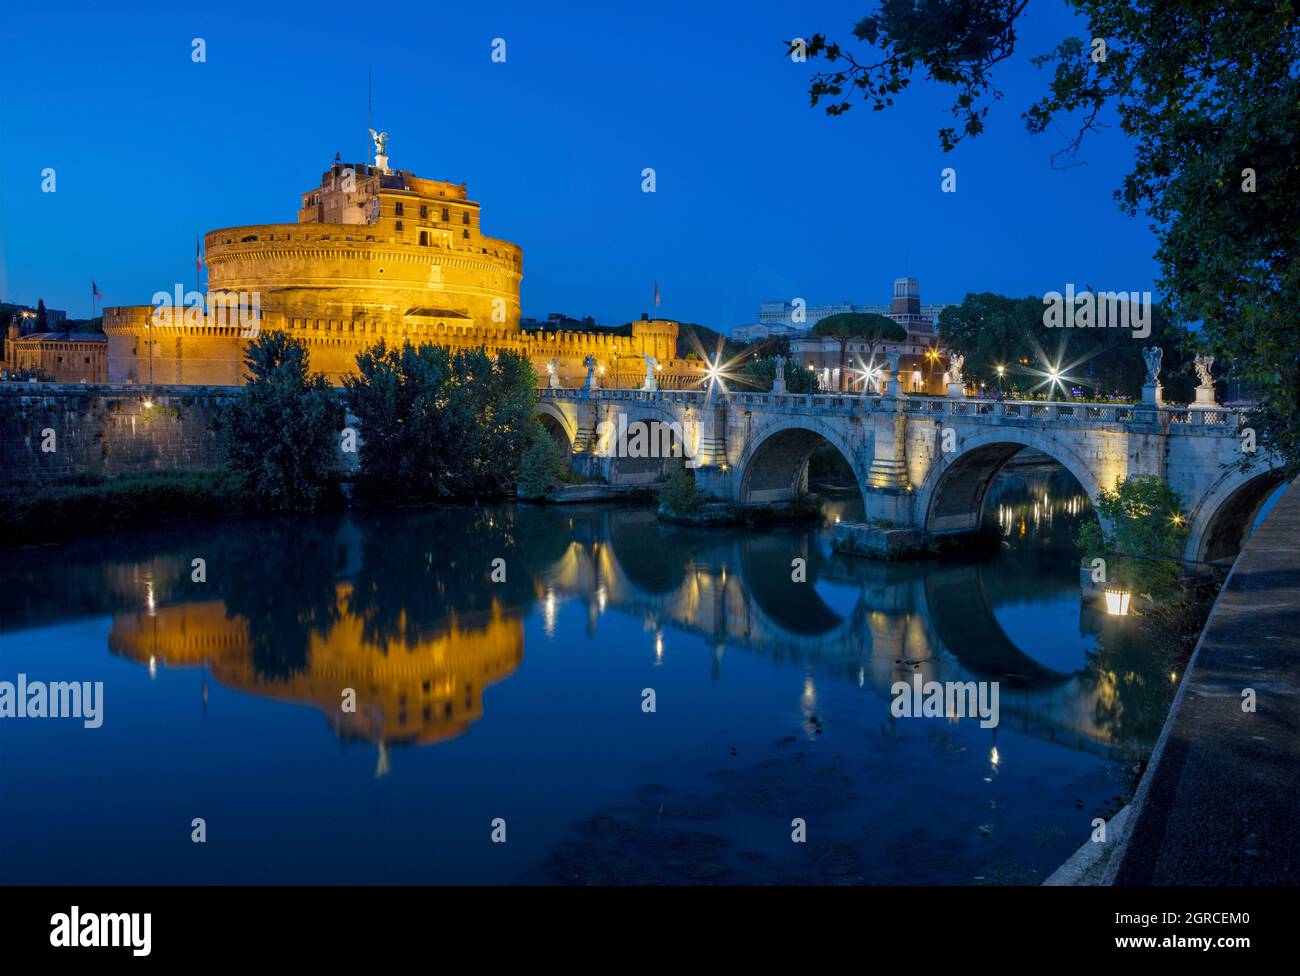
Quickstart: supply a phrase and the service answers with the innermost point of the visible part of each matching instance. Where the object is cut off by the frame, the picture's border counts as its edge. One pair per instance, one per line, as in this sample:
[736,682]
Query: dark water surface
[522,700]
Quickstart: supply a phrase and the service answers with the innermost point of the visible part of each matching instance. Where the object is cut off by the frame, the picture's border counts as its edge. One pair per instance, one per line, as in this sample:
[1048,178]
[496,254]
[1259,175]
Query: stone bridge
[924,463]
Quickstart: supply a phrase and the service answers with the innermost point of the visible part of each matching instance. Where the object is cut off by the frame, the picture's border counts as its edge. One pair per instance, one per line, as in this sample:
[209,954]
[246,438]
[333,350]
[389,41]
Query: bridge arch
[557,423]
[952,495]
[1221,520]
[962,614]
[774,464]
[641,446]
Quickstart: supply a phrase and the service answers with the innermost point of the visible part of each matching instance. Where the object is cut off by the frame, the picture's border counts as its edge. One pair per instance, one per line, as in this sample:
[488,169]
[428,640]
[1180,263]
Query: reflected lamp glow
[1117,602]
[548,613]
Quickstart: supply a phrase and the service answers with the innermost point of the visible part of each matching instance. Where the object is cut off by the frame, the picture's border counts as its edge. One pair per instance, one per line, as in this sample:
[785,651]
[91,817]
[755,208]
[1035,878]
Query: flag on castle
[94,291]
[198,253]
[656,293]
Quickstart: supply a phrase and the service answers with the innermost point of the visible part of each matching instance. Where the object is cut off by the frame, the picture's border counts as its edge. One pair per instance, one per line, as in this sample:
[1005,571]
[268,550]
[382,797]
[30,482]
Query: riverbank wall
[50,430]
[1216,805]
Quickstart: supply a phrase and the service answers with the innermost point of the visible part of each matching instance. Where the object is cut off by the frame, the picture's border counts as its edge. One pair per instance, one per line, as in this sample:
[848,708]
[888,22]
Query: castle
[376,253]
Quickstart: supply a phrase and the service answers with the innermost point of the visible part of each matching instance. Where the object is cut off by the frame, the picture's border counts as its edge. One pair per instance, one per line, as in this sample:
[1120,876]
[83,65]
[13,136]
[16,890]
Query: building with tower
[376,254]
[922,356]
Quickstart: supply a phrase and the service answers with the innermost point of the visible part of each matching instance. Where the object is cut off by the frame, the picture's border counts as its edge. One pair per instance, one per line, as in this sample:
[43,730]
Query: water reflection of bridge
[398,606]
[737,590]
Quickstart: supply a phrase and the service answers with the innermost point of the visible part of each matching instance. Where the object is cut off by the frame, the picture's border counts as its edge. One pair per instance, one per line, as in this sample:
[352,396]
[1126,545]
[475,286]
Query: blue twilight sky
[759,197]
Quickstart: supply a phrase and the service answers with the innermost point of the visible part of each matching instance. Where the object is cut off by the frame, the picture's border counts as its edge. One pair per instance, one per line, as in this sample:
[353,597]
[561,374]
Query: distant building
[905,309]
[557,321]
[61,357]
[753,333]
[922,357]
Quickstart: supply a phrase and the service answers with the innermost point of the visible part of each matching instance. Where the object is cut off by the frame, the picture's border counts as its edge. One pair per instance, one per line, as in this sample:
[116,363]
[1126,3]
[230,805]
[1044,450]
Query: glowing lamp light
[1002,370]
[1117,602]
[148,404]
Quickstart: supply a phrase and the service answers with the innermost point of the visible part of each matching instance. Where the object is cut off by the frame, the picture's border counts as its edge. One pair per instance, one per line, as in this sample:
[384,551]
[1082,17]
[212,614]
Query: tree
[680,496]
[282,430]
[761,375]
[1210,94]
[544,467]
[1147,535]
[438,424]
[866,327]
[994,331]
[699,342]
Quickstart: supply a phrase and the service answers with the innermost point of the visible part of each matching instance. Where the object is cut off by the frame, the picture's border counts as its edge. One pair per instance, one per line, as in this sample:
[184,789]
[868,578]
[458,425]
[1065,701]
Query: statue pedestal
[1151,395]
[957,391]
[1204,398]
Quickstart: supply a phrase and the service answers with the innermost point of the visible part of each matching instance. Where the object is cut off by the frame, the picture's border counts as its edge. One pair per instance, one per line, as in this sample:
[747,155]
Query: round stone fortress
[376,254]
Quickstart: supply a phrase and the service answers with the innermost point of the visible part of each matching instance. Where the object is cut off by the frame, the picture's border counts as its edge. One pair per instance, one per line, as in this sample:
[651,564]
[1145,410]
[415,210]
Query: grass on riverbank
[87,504]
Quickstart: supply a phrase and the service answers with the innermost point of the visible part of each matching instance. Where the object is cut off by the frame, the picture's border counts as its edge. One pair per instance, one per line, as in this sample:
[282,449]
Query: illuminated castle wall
[375,254]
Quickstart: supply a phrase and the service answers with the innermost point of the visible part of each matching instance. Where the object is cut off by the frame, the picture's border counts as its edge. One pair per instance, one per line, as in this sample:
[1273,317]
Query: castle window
[398,208]
[446,214]
[464,234]
[424,238]
[250,237]
[399,225]
[464,217]
[424,212]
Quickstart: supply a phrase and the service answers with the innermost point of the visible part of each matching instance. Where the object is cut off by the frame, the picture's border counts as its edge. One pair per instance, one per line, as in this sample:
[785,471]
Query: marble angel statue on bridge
[651,381]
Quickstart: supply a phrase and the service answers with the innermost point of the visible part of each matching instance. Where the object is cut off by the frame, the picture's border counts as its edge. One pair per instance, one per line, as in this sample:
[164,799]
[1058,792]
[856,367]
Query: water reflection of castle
[422,692]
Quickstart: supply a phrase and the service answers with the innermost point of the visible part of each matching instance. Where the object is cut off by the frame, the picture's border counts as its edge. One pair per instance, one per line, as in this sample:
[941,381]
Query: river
[502,728]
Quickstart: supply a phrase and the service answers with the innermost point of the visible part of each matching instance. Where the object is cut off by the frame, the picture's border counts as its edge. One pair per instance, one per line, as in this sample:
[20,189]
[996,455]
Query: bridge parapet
[847,403]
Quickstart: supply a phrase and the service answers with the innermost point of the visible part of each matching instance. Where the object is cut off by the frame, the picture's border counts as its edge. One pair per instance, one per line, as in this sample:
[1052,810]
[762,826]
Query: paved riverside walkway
[1220,801]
